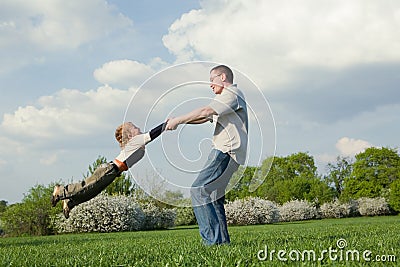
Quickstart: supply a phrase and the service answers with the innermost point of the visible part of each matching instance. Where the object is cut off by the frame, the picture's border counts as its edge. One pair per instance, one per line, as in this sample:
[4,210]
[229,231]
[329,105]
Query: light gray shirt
[134,150]
[231,123]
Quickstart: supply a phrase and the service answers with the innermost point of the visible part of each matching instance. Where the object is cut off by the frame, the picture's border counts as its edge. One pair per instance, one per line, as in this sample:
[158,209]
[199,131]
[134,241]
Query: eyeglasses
[215,76]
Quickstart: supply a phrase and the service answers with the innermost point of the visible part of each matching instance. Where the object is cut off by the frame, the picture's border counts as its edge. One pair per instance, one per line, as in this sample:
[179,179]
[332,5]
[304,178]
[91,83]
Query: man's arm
[200,115]
[200,121]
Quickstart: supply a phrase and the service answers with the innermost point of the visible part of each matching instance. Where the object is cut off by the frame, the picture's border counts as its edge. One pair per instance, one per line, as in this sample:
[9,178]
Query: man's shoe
[66,209]
[56,196]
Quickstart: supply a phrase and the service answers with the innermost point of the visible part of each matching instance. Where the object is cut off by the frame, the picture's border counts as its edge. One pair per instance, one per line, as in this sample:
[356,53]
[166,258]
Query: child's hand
[172,124]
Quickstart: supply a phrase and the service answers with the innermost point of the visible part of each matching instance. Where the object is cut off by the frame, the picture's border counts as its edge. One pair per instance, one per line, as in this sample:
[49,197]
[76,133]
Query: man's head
[126,132]
[220,76]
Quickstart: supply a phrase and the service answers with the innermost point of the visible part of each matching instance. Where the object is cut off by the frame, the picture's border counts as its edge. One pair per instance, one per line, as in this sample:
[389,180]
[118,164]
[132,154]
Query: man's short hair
[224,69]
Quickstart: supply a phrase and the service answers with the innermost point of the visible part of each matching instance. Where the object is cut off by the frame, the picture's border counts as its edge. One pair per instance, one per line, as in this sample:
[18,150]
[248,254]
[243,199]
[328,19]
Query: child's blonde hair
[123,133]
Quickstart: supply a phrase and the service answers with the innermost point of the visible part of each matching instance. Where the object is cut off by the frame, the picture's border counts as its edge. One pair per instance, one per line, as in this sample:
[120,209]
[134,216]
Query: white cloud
[271,38]
[126,73]
[8,149]
[347,147]
[350,147]
[34,31]
[56,24]
[49,159]
[68,113]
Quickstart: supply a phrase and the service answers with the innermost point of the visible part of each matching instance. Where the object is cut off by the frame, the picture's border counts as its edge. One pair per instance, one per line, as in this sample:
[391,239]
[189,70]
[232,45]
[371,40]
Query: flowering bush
[106,213]
[335,209]
[297,210]
[185,216]
[251,210]
[373,206]
[157,217]
[103,213]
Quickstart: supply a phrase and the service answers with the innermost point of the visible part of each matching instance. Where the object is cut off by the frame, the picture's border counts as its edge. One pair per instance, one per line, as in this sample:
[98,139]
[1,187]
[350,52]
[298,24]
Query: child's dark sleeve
[155,132]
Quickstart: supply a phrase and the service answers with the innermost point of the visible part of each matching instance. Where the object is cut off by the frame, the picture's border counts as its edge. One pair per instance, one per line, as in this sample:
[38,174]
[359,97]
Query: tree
[173,197]
[241,188]
[122,185]
[169,199]
[338,172]
[394,197]
[3,206]
[33,215]
[293,177]
[373,172]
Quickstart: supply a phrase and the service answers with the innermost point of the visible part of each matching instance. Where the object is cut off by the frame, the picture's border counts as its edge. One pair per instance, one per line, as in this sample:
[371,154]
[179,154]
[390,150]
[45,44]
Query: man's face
[216,81]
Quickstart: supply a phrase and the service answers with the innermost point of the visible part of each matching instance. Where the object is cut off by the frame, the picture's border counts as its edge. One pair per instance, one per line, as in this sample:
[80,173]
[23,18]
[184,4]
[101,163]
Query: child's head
[126,132]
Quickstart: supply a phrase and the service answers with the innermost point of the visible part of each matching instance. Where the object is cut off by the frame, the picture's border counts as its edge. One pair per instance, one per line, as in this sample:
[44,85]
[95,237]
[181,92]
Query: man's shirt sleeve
[224,103]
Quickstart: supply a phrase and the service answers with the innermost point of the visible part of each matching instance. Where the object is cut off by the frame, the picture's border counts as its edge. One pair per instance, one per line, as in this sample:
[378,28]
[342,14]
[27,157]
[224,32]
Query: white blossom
[297,210]
[373,206]
[336,209]
[106,213]
[251,210]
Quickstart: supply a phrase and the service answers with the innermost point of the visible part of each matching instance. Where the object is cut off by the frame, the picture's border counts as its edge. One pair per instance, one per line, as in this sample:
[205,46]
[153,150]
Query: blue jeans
[208,196]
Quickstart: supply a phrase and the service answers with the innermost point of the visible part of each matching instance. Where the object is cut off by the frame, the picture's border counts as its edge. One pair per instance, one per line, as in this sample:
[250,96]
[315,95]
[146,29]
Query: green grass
[182,246]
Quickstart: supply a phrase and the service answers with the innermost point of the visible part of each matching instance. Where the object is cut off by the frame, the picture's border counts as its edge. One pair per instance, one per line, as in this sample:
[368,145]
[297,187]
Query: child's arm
[155,132]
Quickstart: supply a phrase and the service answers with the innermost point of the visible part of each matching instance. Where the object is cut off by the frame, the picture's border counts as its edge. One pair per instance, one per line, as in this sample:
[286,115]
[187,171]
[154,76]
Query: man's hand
[172,124]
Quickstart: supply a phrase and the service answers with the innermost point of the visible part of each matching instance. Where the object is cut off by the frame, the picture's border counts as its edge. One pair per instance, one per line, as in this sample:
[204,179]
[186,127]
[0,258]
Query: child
[132,142]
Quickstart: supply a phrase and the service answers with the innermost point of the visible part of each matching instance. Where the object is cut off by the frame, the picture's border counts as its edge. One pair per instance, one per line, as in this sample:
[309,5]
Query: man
[228,109]
[132,142]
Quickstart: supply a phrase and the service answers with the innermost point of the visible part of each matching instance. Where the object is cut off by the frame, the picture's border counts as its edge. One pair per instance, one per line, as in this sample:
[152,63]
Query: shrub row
[254,210]
[120,213]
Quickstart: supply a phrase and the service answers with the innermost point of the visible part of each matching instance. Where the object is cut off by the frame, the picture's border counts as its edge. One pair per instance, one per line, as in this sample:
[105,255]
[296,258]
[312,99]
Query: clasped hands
[172,124]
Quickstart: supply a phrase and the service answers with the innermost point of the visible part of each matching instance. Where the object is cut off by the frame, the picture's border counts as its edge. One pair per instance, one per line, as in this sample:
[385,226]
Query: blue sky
[329,70]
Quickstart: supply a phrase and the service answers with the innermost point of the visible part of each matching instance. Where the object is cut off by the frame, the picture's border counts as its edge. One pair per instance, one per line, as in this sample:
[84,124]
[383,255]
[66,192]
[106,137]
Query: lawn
[335,242]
